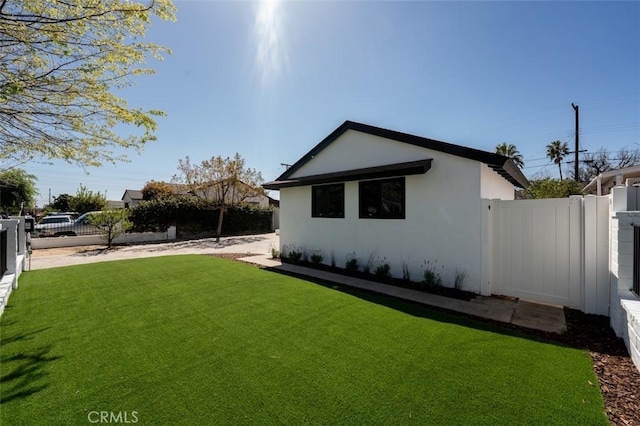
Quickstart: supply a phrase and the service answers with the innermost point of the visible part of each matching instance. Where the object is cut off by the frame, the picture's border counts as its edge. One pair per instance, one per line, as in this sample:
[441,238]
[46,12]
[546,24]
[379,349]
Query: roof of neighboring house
[502,165]
[602,184]
[134,194]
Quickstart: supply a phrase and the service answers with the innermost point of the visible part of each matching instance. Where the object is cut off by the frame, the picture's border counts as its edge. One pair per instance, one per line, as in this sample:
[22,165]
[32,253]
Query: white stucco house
[605,181]
[395,197]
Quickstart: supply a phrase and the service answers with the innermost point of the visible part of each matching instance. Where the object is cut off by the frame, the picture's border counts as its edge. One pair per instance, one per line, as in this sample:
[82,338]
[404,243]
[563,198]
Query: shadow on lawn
[23,373]
[584,331]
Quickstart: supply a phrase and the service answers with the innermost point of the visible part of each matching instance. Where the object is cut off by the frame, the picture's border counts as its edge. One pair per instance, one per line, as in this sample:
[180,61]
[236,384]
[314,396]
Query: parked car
[64,225]
[74,215]
[55,225]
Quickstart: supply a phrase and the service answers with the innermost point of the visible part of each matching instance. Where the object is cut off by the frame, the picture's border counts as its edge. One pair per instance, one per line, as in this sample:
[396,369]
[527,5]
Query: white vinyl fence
[552,251]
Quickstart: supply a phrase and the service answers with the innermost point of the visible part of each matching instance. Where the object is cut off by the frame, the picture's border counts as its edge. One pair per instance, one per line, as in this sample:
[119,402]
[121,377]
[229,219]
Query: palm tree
[510,150]
[556,151]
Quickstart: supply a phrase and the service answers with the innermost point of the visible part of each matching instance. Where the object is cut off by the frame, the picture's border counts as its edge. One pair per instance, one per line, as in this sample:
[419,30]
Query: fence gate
[537,250]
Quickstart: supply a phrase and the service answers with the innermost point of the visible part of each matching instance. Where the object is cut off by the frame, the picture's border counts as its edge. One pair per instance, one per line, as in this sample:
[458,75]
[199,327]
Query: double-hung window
[327,200]
[382,199]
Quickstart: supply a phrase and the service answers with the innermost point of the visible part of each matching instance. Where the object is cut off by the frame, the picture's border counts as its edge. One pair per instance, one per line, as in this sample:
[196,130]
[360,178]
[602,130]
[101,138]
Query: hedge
[196,217]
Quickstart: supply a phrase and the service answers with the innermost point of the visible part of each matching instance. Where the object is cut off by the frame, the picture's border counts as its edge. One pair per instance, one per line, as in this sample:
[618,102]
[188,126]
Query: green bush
[191,216]
[351,263]
[383,271]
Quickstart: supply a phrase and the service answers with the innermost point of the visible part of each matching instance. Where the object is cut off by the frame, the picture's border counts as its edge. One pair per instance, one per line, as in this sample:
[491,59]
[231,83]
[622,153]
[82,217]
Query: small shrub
[383,271]
[432,278]
[295,256]
[370,261]
[316,257]
[275,253]
[406,275]
[333,259]
[351,263]
[461,276]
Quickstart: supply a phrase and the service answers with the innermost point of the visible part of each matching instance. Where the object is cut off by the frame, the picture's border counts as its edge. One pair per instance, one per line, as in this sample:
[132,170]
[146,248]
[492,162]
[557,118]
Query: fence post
[486,247]
[11,225]
[596,255]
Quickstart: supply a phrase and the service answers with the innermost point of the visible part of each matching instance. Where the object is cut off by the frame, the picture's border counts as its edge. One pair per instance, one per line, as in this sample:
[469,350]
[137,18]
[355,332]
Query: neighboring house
[403,199]
[602,184]
[131,197]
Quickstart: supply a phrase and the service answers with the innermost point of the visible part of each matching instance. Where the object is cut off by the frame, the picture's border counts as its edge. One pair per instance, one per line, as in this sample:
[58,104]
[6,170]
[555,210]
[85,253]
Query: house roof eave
[501,164]
[377,172]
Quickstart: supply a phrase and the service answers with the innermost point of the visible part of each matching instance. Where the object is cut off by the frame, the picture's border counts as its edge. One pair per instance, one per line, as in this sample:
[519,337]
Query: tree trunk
[560,170]
[220,218]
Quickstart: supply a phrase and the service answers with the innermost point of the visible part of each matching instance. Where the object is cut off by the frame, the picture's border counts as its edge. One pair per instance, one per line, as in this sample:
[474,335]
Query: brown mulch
[618,377]
[230,256]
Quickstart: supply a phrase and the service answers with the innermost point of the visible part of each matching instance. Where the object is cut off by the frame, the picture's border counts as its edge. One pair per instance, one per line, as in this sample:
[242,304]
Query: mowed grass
[200,340]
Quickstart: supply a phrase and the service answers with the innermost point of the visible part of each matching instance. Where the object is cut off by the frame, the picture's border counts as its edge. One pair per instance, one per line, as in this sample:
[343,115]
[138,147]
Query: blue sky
[269,80]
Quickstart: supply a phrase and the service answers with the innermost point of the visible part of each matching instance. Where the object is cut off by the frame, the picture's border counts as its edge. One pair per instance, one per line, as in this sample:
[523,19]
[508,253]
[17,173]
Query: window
[327,201]
[382,199]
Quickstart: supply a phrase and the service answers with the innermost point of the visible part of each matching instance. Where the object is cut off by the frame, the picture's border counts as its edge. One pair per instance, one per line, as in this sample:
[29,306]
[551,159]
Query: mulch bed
[618,377]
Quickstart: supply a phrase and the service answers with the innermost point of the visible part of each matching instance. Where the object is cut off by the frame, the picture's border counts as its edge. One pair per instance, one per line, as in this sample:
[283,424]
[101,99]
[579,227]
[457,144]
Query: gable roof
[134,194]
[502,165]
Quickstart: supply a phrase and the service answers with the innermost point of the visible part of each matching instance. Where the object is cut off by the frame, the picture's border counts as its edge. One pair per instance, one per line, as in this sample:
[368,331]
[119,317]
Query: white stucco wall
[494,186]
[354,150]
[443,211]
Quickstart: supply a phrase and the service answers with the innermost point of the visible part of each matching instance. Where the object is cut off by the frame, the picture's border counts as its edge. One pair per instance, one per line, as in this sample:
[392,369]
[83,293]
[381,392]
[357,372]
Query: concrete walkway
[522,313]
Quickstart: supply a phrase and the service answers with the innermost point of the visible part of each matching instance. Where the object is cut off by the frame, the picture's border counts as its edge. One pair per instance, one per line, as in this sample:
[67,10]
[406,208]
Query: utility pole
[576,165]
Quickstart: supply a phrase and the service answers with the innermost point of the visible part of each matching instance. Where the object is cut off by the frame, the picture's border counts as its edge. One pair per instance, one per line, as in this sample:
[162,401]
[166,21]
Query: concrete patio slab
[540,316]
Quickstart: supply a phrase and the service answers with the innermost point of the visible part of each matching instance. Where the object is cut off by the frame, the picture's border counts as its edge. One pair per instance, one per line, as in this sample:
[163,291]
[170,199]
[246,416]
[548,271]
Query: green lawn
[199,340]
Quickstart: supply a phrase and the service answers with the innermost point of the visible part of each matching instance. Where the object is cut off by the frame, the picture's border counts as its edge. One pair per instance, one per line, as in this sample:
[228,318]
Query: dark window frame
[371,192]
[316,205]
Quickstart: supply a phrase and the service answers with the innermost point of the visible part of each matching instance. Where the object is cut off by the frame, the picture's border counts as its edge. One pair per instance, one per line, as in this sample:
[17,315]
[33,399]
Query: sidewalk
[522,313]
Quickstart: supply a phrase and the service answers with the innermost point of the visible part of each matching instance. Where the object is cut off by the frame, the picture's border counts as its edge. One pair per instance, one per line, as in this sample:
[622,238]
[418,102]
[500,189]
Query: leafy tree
[552,188]
[157,191]
[17,191]
[602,160]
[111,223]
[556,151]
[224,180]
[510,150]
[87,201]
[61,203]
[62,63]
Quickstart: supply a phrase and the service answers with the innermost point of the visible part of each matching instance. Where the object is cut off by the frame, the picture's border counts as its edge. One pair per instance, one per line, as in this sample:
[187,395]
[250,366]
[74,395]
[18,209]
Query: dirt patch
[64,251]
